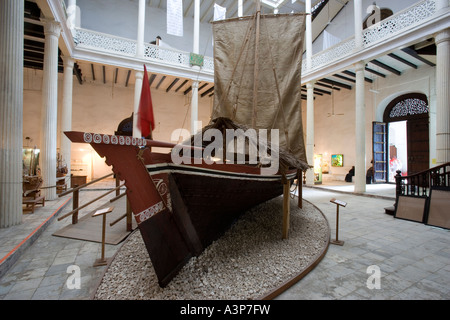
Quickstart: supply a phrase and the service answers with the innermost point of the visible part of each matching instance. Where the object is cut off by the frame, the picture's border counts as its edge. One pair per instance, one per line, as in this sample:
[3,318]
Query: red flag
[146,121]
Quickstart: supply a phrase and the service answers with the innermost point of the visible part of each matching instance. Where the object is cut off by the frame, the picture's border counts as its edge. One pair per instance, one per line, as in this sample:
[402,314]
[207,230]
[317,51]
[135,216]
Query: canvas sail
[276,102]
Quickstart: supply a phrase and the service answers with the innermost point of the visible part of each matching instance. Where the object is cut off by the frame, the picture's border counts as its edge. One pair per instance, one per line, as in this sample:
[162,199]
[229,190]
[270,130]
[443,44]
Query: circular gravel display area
[250,261]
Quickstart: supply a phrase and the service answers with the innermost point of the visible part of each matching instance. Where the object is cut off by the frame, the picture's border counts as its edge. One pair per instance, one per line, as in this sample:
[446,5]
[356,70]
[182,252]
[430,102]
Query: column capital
[442,36]
[139,74]
[360,66]
[68,61]
[310,84]
[51,27]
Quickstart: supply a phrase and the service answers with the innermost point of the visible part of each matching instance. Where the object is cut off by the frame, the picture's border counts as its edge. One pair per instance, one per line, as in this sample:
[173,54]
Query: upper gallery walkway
[412,25]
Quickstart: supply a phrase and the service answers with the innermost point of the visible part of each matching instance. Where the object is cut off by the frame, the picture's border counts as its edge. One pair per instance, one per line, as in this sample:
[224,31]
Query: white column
[71,13]
[139,74]
[140,32]
[310,132]
[196,46]
[240,8]
[49,109]
[360,132]
[196,50]
[357,4]
[11,111]
[66,112]
[308,35]
[137,97]
[442,40]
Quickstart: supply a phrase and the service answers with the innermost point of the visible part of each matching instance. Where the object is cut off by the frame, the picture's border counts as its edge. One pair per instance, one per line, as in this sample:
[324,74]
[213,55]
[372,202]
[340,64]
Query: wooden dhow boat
[183,200]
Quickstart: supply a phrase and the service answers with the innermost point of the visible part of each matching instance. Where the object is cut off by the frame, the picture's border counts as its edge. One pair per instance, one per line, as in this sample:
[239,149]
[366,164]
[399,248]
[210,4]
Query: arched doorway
[401,141]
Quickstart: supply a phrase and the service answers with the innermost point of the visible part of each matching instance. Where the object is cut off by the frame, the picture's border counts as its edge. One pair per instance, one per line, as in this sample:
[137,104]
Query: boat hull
[181,209]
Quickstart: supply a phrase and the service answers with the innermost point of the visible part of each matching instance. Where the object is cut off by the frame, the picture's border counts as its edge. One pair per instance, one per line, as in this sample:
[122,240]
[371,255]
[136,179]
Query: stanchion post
[343,204]
[102,261]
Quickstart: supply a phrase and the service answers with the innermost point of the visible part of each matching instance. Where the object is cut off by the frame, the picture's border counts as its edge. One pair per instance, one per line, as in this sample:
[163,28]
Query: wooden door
[418,145]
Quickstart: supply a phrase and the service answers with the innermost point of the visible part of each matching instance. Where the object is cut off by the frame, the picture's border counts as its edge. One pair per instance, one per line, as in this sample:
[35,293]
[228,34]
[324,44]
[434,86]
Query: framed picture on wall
[337,160]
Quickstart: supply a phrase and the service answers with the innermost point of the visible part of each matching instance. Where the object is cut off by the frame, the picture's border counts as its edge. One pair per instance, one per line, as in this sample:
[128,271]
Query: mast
[255,83]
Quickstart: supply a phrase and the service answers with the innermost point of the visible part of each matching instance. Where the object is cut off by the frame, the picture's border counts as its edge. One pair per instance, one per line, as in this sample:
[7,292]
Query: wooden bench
[31,201]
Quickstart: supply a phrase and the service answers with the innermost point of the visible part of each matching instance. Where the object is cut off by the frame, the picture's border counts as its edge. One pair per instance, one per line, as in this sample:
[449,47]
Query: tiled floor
[413,259]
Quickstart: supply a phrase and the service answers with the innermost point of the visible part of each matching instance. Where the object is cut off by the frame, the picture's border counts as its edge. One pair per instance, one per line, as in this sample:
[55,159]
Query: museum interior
[95,91]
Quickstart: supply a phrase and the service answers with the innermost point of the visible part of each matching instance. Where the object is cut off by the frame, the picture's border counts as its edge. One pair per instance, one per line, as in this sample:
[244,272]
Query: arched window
[407,106]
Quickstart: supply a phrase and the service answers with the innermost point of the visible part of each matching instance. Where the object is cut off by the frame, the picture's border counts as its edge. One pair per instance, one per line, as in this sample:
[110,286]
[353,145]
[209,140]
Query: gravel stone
[250,260]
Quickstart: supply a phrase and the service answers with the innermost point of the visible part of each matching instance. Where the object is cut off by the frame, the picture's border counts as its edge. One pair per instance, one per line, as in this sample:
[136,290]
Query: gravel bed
[247,262]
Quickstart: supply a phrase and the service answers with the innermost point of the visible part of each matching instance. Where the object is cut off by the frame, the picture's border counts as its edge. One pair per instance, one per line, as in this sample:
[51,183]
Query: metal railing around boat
[76,197]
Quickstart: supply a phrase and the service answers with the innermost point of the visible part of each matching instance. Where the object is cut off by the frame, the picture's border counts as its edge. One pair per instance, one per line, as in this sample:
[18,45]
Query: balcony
[405,28]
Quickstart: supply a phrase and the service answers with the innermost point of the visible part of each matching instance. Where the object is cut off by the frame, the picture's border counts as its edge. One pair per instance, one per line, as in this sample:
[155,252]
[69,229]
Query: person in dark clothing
[350,174]
[369,174]
[156,42]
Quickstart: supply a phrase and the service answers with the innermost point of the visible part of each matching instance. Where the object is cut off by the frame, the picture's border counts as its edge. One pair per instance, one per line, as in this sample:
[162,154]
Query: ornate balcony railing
[389,27]
[97,41]
[378,33]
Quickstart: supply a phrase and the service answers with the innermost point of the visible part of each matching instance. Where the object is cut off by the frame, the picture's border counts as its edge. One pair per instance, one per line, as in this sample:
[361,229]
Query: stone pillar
[360,132]
[442,40]
[48,139]
[11,111]
[310,132]
[66,112]
[196,50]
[139,75]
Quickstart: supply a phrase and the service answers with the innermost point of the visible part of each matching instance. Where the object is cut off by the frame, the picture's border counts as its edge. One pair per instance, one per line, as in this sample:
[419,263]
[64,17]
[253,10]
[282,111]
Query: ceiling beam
[187,90]
[414,54]
[202,87]
[172,84]
[348,72]
[207,91]
[181,85]
[161,81]
[385,67]
[152,78]
[344,78]
[396,57]
[77,71]
[336,83]
[93,72]
[128,78]
[375,72]
[328,86]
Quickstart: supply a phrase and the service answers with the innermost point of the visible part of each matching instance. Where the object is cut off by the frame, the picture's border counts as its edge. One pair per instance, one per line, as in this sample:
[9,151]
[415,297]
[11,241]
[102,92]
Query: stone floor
[411,259]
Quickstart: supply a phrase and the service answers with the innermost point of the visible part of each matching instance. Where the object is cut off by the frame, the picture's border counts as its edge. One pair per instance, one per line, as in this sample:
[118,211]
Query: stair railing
[420,184]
